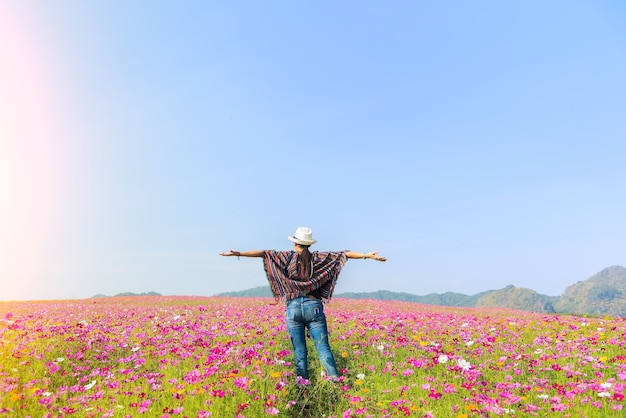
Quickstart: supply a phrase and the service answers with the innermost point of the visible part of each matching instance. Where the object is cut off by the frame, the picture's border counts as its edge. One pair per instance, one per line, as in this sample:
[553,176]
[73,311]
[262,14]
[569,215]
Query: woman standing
[303,280]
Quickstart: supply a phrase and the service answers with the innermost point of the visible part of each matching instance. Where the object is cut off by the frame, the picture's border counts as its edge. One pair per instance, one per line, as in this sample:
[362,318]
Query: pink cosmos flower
[434,395]
[192,377]
[53,367]
[558,407]
[143,407]
[531,408]
[76,388]
[300,381]
[241,382]
[241,407]
[448,388]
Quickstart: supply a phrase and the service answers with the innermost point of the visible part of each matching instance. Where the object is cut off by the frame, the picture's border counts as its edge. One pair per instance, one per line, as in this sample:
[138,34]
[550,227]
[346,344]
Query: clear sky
[475,144]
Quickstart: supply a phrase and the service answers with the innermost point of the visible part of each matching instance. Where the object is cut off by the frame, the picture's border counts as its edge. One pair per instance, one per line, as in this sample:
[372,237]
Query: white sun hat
[303,236]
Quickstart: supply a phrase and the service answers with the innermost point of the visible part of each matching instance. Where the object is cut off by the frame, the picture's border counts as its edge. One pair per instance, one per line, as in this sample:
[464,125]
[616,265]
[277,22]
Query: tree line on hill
[602,294]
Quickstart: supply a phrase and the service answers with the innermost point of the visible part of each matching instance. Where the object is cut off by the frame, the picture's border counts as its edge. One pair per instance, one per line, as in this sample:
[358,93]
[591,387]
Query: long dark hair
[304,259]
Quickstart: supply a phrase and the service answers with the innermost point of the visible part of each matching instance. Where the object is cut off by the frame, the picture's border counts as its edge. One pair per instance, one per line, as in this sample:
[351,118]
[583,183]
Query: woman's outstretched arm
[373,255]
[253,253]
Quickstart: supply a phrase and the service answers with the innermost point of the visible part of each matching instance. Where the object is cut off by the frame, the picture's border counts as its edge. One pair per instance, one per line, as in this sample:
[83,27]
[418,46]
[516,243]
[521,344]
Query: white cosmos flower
[604,394]
[442,358]
[60,359]
[463,364]
[360,376]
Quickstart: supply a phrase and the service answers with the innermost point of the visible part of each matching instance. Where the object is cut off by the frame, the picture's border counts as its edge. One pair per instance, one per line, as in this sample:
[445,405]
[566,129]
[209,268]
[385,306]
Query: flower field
[231,357]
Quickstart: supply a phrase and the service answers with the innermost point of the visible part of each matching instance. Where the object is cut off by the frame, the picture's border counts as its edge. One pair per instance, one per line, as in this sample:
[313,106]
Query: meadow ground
[231,357]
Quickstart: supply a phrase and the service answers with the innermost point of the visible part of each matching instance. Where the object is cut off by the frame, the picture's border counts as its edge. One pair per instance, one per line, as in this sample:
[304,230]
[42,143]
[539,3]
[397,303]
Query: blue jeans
[305,312]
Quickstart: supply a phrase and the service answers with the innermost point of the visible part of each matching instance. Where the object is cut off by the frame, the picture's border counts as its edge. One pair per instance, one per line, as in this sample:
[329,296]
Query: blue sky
[475,144]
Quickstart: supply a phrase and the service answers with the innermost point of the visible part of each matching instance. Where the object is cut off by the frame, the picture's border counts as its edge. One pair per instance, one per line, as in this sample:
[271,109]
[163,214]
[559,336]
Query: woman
[304,280]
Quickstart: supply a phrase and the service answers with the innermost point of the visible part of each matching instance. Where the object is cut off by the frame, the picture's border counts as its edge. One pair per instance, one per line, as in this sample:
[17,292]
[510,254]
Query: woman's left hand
[374,256]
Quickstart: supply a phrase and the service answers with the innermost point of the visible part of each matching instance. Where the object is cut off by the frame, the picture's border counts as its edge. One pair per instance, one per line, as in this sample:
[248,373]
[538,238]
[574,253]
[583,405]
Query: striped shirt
[283,273]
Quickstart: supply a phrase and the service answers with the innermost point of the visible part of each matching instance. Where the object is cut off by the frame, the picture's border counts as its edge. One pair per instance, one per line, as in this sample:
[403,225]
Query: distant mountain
[602,294]
[517,298]
[381,295]
[99,295]
[445,299]
[255,292]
